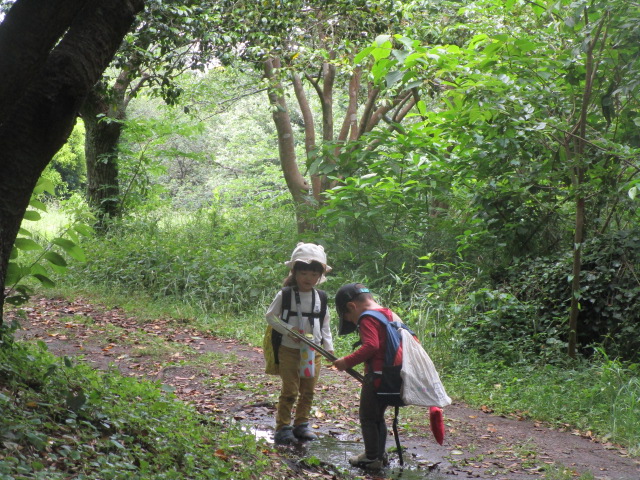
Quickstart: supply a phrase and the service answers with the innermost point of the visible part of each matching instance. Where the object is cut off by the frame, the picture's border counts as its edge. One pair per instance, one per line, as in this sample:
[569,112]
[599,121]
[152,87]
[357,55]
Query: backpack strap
[286,304]
[287,312]
[323,305]
[276,337]
[393,338]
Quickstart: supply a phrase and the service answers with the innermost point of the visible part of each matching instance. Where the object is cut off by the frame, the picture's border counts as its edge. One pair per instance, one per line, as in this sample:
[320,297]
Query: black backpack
[276,337]
[391,382]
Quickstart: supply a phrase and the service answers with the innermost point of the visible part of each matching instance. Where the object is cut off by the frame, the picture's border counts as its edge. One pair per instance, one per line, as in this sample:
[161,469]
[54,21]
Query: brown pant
[293,387]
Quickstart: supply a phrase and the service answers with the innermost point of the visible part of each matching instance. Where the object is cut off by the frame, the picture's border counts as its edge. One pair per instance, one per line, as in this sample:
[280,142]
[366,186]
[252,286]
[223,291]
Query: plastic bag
[421,383]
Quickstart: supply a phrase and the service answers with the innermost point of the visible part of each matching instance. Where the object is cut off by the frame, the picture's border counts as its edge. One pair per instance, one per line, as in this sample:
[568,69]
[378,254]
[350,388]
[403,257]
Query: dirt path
[224,378]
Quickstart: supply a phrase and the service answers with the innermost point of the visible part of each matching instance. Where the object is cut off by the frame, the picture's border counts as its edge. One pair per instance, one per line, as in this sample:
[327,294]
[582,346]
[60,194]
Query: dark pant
[371,413]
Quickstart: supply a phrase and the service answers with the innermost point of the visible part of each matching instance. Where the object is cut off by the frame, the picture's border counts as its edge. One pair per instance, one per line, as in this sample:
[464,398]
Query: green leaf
[44,185]
[14,274]
[525,45]
[382,40]
[84,229]
[36,440]
[35,203]
[38,269]
[422,107]
[26,244]
[44,280]
[75,401]
[393,77]
[401,55]
[380,53]
[71,248]
[364,53]
[56,259]
[32,215]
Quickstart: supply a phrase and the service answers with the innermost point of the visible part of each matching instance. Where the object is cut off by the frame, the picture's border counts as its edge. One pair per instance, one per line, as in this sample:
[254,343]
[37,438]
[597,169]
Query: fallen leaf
[221,454]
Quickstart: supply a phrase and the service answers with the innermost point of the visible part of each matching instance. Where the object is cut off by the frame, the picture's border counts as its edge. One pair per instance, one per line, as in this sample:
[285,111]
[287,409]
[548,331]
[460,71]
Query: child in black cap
[351,301]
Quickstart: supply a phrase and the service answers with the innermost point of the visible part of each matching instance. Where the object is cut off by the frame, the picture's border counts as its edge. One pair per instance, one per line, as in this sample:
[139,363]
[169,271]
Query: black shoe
[366,463]
[284,436]
[303,432]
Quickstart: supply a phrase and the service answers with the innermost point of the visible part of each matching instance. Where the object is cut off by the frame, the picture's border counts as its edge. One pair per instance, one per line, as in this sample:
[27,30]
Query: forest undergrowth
[219,271]
[62,419]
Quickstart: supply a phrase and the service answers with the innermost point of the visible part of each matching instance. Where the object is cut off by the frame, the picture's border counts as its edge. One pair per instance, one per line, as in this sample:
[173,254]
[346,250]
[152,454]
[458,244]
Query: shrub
[61,420]
[527,314]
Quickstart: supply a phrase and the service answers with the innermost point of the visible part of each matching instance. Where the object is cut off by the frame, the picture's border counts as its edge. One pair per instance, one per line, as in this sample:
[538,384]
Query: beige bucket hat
[307,253]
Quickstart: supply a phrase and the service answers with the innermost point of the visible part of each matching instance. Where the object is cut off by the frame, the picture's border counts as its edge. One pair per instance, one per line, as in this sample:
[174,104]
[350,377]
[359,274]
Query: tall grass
[209,259]
[600,397]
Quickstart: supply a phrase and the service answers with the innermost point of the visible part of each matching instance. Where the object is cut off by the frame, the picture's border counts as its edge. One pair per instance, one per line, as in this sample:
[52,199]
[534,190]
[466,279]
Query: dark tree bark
[58,49]
[103,113]
[20,66]
[103,116]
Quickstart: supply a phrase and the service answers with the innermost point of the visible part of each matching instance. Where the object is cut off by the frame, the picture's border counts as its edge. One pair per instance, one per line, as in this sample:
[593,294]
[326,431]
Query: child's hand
[340,364]
[294,338]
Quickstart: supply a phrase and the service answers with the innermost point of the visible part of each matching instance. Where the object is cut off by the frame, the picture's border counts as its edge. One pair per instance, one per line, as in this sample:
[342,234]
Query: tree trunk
[39,114]
[575,282]
[351,130]
[578,138]
[298,186]
[103,113]
[101,152]
[320,183]
[21,66]
[309,133]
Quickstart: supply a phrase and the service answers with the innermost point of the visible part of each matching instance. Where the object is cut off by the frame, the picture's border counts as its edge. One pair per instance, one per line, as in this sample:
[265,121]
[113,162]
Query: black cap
[346,294]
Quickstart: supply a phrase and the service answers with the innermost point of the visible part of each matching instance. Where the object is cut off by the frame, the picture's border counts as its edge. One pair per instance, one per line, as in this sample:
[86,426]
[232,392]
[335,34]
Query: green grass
[60,420]
[601,396]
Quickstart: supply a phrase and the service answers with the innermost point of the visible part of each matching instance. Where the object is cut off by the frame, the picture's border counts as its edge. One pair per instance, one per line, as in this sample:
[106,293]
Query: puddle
[336,452]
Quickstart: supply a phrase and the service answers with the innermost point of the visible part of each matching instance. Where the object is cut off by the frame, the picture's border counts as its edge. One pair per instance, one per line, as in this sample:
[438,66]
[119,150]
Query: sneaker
[303,432]
[284,436]
[363,462]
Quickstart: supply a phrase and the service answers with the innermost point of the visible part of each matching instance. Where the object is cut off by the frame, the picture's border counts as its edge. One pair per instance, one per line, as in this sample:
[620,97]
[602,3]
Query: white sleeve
[327,337]
[273,314]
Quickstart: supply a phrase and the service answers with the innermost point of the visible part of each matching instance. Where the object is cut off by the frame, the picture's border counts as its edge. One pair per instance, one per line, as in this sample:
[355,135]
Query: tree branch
[368,108]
